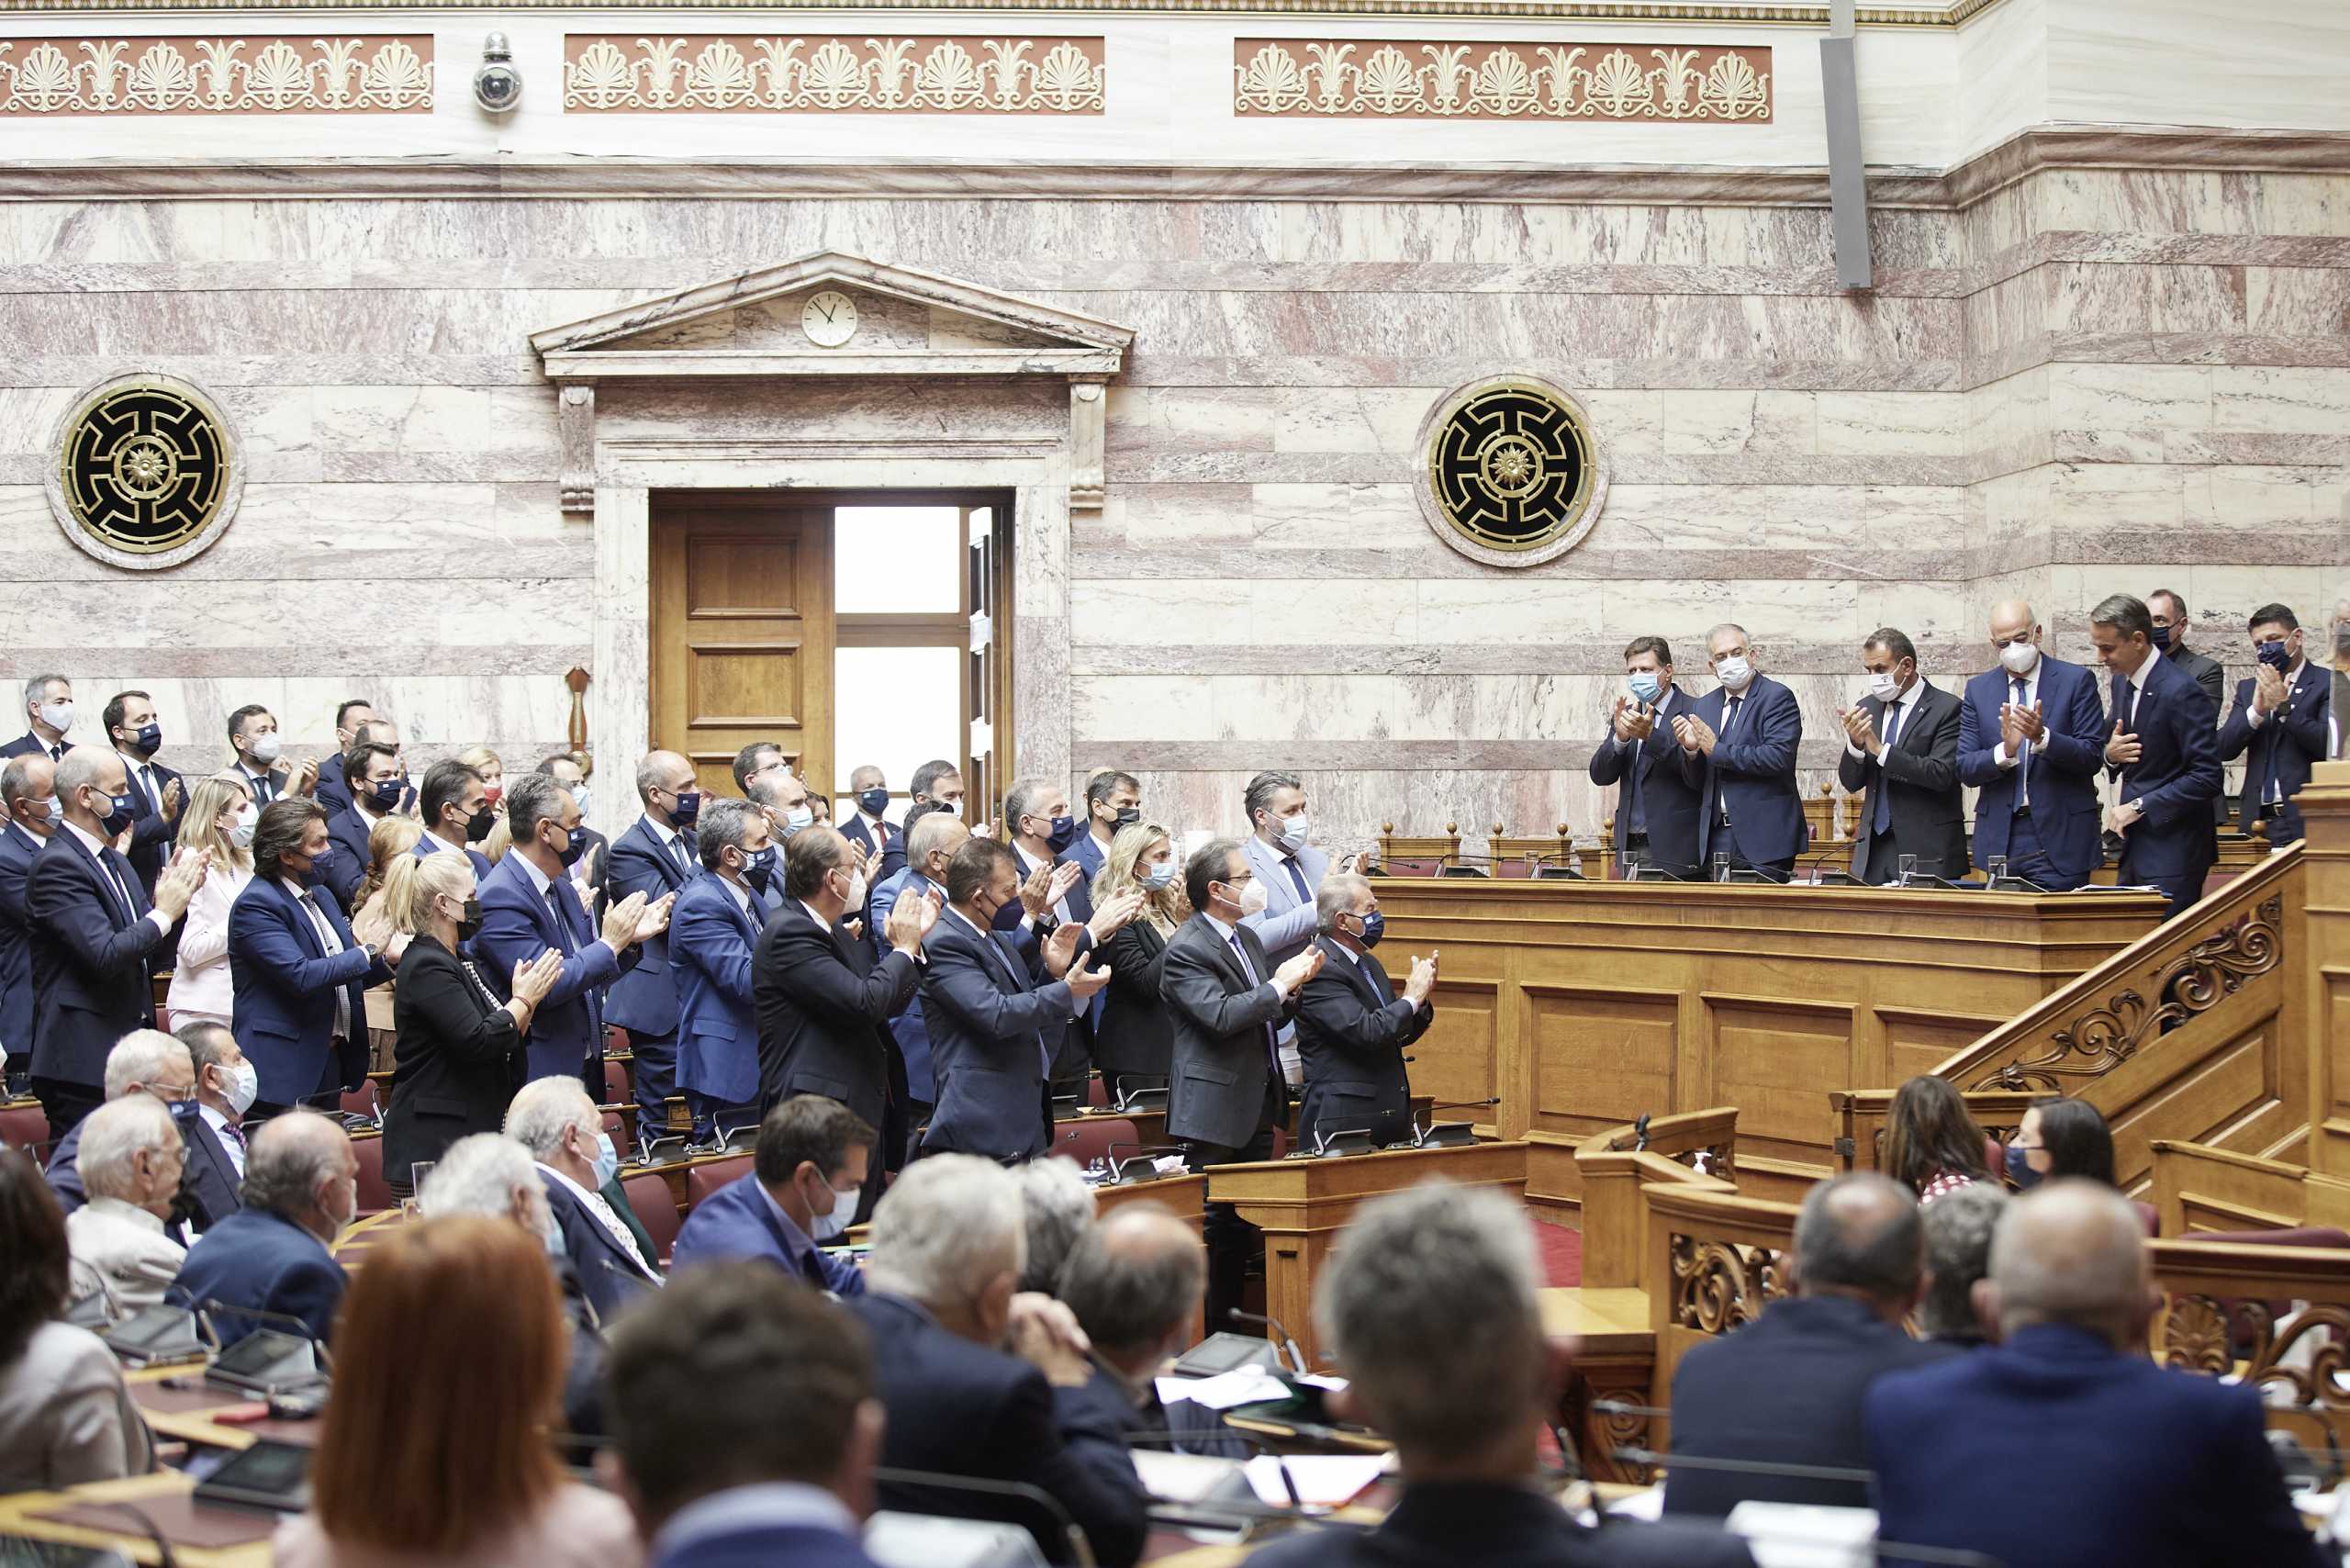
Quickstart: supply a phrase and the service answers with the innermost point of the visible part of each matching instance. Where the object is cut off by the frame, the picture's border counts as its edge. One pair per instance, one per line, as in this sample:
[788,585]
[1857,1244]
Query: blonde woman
[483,761]
[218,818]
[500,839]
[1135,1041]
[391,855]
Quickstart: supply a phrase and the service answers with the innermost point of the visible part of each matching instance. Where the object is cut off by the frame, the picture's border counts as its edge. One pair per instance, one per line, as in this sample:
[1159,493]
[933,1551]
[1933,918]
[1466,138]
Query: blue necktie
[1636,811]
[1881,815]
[1272,1039]
[2023,759]
[565,940]
[1297,880]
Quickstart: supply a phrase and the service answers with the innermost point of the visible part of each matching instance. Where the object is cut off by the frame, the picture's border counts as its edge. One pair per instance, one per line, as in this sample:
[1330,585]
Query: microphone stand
[1296,1356]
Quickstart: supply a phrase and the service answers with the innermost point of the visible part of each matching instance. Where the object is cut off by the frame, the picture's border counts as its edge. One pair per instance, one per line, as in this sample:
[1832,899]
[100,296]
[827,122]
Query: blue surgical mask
[2161,638]
[2274,656]
[688,808]
[760,868]
[873,802]
[2019,1169]
[607,1160]
[1374,927]
[1646,685]
[574,847]
[797,819]
[1160,874]
[149,740]
[1063,835]
[123,812]
[1293,831]
[384,796]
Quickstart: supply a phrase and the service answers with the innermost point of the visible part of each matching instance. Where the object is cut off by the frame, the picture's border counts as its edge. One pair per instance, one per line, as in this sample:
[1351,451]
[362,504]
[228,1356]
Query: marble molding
[1410,79]
[256,73]
[820,73]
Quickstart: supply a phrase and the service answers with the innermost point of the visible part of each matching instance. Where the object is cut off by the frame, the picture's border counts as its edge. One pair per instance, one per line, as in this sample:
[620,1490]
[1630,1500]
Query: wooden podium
[1300,1204]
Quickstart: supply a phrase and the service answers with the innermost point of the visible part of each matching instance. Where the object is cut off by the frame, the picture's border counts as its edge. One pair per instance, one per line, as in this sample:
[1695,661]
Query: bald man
[657,857]
[1135,1282]
[2032,740]
[2066,1444]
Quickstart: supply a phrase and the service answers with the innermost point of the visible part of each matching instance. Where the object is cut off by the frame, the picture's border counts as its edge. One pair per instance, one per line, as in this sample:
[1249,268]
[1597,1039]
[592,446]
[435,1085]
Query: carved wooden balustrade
[1408,856]
[1698,1148]
[2201,1188]
[2198,1031]
[1715,1259]
[2276,1317]
[1860,1114]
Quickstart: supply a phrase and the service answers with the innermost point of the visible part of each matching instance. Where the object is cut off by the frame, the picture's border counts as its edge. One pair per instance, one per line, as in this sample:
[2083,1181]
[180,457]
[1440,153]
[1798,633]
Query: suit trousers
[654,1080]
[65,1103]
[2027,859]
[1233,1242]
[1725,842]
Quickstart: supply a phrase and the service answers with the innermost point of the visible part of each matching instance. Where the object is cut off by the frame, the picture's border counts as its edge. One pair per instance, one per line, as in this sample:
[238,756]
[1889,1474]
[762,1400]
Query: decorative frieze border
[239,74]
[1417,79]
[822,74]
[1695,13]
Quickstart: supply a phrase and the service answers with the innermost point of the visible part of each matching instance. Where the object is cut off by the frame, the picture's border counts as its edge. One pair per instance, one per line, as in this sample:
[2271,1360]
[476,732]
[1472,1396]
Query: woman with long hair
[2061,1136]
[449,1368]
[381,900]
[219,816]
[1932,1143]
[483,761]
[1134,1042]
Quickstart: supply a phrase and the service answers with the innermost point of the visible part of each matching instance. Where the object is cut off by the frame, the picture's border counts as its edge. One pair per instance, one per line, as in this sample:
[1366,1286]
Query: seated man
[145,1060]
[2066,1444]
[813,1157]
[553,1118]
[301,1190]
[213,1123]
[1057,1207]
[131,1161]
[1134,1282]
[1352,1029]
[715,1480]
[1786,1388]
[1431,1306]
[1958,1251]
[947,1249]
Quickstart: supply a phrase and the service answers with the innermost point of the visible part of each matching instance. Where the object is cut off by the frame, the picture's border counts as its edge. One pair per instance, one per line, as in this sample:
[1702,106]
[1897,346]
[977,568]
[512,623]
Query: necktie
[56,751]
[1636,812]
[333,943]
[2023,761]
[1730,722]
[233,1133]
[564,938]
[2125,711]
[1379,986]
[678,853]
[1881,814]
[1713,786]
[1297,880]
[1001,946]
[1272,1041]
[265,787]
[2272,789]
[121,893]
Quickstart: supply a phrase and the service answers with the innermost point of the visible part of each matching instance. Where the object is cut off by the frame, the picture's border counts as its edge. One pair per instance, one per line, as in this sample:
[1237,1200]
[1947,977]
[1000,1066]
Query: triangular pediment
[907,323]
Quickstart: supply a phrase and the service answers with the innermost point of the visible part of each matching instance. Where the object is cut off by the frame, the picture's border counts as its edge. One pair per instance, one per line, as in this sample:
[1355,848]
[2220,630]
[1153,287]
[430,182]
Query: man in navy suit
[553,1118]
[529,905]
[713,931]
[2064,1444]
[93,934]
[131,730]
[1738,743]
[301,978]
[813,1160]
[351,717]
[1037,821]
[1901,745]
[2278,725]
[1656,808]
[145,1061]
[212,1122]
[656,857]
[883,840]
[716,1357]
[2031,742]
[931,839]
[301,1191]
[49,712]
[1352,1026]
[376,769]
[454,805]
[1113,800]
[2164,754]
[25,784]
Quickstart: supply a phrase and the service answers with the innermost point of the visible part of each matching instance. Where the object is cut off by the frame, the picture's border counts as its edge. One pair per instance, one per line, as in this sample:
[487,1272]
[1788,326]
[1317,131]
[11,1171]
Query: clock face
[829,319]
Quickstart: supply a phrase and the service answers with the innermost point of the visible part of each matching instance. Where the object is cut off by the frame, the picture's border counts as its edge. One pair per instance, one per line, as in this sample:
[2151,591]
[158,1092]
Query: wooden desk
[1150,1127]
[1582,1005]
[156,1494]
[1300,1204]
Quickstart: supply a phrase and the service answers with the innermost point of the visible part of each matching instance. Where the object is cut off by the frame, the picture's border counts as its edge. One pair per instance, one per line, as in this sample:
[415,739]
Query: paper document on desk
[1330,1479]
[1245,1385]
[1181,1477]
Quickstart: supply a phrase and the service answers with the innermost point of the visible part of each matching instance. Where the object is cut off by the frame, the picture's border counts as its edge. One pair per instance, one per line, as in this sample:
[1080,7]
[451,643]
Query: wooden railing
[2201,1188]
[2196,1032]
[1861,1115]
[1714,1261]
[2277,1318]
[1695,1148]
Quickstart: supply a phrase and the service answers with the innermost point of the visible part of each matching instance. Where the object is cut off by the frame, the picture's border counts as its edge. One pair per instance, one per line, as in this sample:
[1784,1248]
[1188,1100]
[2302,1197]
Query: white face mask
[580,795]
[1292,831]
[1735,672]
[58,716]
[248,818]
[56,809]
[264,748]
[857,890]
[1884,685]
[2019,657]
[1252,897]
[796,819]
[1159,874]
[243,1088]
[844,1201]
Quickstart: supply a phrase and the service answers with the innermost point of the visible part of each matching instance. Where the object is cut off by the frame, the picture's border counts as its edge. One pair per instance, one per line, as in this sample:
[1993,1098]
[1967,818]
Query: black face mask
[483,820]
[469,922]
[1127,816]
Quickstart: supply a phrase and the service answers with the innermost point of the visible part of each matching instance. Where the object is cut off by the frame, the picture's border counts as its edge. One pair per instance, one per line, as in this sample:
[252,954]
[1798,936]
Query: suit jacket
[260,1259]
[1220,1068]
[1089,855]
[964,1409]
[431,845]
[1285,925]
[457,1058]
[332,790]
[1785,1389]
[286,985]
[212,1183]
[1074,1047]
[2055,1448]
[740,1220]
[1669,802]
[1442,1526]
[644,1000]
[909,1027]
[1919,776]
[712,941]
[17,849]
[2062,768]
[91,959]
[2291,740]
[517,923]
[892,847]
[344,874]
[610,1275]
[1751,773]
[2176,775]
[2213,679]
[781,1545]
[1135,1037]
[1351,1031]
[150,835]
[993,1017]
[823,1010]
[25,745]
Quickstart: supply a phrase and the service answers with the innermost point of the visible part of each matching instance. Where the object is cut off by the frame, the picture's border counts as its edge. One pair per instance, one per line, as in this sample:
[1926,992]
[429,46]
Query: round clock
[829,319]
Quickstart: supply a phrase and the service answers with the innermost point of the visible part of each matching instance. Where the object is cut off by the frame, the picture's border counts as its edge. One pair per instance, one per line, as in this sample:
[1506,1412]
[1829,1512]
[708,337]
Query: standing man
[132,731]
[712,933]
[1738,747]
[932,840]
[351,717]
[883,840]
[27,786]
[1901,745]
[654,856]
[1656,808]
[2171,627]
[49,711]
[1113,800]
[1224,997]
[1037,821]
[563,767]
[2163,755]
[374,768]
[2279,724]
[253,736]
[758,760]
[1352,1028]
[2032,740]
[457,813]
[938,783]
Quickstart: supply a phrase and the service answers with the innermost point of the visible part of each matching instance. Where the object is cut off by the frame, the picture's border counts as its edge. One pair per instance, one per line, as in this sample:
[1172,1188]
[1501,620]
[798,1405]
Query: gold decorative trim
[822,74]
[147,75]
[1656,11]
[148,471]
[1414,80]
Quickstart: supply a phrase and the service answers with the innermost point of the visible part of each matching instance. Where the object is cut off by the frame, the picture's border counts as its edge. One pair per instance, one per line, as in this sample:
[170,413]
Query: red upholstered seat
[648,1195]
[616,1089]
[374,1197]
[364,1102]
[1090,1140]
[707,1176]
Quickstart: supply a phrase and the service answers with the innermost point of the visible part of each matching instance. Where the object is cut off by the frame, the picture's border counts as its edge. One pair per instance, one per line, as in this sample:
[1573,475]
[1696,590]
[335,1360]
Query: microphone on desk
[1632,1454]
[1453,1133]
[212,1306]
[1296,1356]
[1142,1153]
[1641,1133]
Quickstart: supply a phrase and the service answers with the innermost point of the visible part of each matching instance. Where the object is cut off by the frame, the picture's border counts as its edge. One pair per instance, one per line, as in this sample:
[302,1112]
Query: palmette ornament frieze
[1459,80]
[151,76]
[819,75]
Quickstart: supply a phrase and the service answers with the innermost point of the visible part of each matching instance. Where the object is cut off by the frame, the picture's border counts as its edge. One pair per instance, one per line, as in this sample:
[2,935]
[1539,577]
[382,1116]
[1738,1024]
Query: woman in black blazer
[459,1053]
[1135,1041]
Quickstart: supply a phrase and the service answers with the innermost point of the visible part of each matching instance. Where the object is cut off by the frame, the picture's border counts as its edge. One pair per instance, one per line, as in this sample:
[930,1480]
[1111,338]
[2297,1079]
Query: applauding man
[1353,1027]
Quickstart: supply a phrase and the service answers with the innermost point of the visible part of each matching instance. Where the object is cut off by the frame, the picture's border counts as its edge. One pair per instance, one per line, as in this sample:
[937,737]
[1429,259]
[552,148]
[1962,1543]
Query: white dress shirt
[605,1216]
[97,847]
[1904,708]
[233,1141]
[123,1246]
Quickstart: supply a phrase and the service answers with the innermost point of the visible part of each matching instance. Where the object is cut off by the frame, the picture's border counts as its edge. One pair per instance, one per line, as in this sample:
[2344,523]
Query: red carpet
[1562,1254]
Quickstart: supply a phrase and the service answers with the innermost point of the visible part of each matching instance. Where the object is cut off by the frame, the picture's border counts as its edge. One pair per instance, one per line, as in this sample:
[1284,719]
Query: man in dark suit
[49,713]
[455,807]
[656,857]
[1224,996]
[301,977]
[1786,1388]
[2278,725]
[253,738]
[565,768]
[145,1061]
[931,838]
[824,1003]
[301,1191]
[131,730]
[713,1360]
[351,717]
[1113,800]
[810,1170]
[883,840]
[2031,742]
[713,940]
[92,933]
[1739,744]
[1901,745]
[1352,1028]
[2164,754]
[2172,626]
[941,1298]
[1433,1308]
[555,1119]
[27,783]
[212,1122]
[529,904]
[1037,821]
[2066,1443]
[375,767]
[1134,1283]
[1656,808]
[994,1012]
